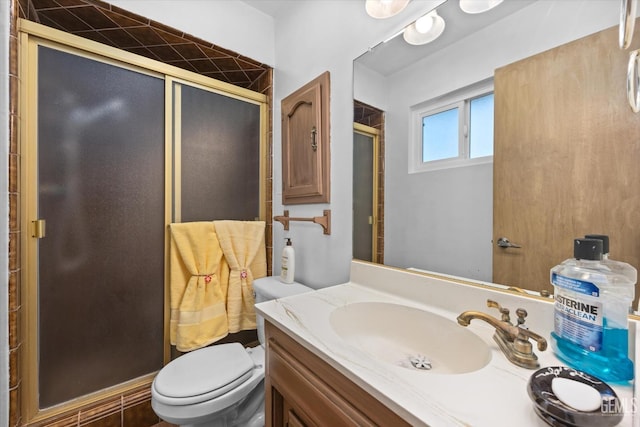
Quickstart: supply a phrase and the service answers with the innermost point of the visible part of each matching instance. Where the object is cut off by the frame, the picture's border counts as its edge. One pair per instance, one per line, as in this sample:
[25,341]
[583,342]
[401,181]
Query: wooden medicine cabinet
[305,143]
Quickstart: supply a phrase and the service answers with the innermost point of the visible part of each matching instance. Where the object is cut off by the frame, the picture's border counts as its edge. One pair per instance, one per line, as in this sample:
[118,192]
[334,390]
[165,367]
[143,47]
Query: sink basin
[410,338]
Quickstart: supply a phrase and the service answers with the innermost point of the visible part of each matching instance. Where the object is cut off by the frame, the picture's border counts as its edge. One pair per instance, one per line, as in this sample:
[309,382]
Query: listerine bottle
[590,314]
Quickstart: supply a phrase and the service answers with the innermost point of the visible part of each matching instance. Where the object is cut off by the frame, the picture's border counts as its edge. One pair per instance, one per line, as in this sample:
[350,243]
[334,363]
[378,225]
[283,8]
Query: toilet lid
[203,372]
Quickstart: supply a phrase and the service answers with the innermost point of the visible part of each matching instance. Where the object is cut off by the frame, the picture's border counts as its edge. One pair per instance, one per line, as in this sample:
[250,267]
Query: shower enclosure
[112,152]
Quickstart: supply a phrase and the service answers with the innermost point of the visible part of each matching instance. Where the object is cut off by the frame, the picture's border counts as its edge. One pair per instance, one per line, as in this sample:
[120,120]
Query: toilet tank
[270,288]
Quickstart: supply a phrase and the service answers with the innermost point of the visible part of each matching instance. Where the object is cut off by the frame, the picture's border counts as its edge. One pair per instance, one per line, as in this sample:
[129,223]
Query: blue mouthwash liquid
[590,314]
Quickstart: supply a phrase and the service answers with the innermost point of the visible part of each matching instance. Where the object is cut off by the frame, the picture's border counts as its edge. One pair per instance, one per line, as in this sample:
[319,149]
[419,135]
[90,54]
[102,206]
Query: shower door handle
[39,228]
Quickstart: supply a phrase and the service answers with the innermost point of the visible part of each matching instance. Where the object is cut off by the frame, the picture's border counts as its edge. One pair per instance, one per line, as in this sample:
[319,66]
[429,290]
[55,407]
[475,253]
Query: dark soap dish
[556,412]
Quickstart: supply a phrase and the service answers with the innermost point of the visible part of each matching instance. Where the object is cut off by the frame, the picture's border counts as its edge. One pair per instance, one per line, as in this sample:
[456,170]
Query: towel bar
[324,220]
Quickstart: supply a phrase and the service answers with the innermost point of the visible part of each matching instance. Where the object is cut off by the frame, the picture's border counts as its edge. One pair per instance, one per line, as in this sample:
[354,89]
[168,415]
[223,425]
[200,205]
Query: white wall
[442,220]
[370,87]
[325,35]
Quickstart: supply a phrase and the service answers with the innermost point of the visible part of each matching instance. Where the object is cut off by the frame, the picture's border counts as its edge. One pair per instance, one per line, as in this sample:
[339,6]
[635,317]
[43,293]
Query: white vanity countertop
[495,395]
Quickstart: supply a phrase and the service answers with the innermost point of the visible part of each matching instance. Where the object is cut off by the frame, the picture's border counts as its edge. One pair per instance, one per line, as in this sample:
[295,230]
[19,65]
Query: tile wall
[102,22]
[14,227]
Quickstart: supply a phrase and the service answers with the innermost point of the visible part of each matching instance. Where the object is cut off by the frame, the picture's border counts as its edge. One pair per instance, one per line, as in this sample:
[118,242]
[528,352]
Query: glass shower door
[100,189]
[364,190]
[220,155]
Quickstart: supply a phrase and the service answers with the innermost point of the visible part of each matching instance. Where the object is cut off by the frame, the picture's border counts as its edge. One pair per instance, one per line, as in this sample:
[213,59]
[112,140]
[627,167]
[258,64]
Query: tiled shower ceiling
[113,26]
[362,113]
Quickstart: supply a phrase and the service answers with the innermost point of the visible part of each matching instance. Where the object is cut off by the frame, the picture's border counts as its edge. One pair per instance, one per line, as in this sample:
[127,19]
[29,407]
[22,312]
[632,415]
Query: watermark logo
[621,405]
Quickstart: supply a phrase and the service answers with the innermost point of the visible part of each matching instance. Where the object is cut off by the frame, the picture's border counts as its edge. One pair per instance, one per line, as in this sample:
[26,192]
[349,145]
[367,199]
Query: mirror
[442,220]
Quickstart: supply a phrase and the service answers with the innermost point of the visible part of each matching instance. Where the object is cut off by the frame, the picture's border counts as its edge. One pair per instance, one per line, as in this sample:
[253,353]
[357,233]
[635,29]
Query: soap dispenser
[287,268]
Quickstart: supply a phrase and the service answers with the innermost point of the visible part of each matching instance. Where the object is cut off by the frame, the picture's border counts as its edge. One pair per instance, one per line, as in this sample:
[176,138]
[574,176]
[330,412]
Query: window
[452,131]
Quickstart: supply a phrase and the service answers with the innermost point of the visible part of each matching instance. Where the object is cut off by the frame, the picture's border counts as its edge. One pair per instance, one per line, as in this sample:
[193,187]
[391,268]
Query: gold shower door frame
[374,134]
[31,36]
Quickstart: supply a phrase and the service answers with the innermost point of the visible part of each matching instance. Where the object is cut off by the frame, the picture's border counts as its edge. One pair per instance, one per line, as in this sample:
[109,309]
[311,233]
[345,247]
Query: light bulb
[381,9]
[424,24]
[425,29]
[478,6]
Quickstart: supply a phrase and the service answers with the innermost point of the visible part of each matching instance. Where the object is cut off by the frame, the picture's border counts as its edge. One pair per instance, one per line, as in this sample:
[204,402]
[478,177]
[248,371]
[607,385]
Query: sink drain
[420,362]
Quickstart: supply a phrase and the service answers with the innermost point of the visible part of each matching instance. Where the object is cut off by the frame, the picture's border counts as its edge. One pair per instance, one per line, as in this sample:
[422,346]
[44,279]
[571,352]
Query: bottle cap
[604,238]
[589,249]
[288,239]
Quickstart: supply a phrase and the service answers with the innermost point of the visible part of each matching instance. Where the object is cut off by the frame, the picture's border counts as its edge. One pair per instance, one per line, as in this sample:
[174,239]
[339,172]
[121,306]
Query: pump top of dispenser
[288,239]
[587,249]
[617,266]
[605,241]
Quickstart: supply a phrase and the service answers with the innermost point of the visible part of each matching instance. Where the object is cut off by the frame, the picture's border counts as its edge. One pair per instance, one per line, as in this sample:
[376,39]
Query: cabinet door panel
[304,162]
[305,143]
[305,391]
[300,383]
[293,420]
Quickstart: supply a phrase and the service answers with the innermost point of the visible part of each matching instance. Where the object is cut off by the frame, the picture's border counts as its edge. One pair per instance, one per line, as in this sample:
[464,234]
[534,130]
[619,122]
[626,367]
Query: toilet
[220,385]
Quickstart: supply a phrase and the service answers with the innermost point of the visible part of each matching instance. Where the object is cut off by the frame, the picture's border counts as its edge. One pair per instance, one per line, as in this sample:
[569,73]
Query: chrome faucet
[513,340]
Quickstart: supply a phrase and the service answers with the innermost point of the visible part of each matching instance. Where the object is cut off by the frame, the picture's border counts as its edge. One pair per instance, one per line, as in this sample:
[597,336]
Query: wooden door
[566,158]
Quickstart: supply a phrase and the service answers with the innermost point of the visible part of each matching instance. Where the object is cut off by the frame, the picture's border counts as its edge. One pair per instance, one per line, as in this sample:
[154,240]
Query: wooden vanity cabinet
[303,390]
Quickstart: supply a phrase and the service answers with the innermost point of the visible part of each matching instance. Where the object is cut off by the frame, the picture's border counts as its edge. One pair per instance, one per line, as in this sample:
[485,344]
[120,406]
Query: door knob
[503,242]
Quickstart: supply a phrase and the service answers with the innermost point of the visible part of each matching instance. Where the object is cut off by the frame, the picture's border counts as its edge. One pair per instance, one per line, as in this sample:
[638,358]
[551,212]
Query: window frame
[460,99]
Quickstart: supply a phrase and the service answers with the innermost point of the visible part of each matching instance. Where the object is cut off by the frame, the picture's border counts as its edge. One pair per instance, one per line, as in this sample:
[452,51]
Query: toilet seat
[203,375]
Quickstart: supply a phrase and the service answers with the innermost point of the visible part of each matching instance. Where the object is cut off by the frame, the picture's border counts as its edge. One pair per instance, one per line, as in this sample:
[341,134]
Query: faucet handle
[503,310]
[522,314]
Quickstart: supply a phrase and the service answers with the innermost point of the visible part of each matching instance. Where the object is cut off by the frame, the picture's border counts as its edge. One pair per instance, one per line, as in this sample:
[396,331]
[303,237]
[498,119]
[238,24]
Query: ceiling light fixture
[381,9]
[425,29]
[478,6]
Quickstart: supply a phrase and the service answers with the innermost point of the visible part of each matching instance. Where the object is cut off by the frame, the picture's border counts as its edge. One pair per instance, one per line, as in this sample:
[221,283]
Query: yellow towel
[198,278]
[243,246]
